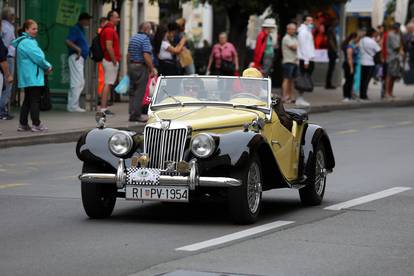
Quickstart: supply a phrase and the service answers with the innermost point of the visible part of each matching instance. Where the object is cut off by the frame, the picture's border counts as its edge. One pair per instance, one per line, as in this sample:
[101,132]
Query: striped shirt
[138,45]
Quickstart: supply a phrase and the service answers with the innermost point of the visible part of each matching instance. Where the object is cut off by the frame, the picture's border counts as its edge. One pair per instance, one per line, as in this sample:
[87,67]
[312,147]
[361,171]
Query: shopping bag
[123,86]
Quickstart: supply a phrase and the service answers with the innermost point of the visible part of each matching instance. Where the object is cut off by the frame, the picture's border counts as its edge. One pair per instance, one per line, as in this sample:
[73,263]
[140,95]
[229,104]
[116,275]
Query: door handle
[275,142]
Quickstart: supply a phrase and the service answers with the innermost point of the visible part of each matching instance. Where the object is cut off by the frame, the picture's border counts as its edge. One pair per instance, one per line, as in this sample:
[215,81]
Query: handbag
[304,83]
[185,58]
[45,99]
[394,68]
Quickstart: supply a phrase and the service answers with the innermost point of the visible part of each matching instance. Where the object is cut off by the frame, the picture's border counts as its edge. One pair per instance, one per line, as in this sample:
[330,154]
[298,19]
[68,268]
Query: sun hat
[269,23]
[252,73]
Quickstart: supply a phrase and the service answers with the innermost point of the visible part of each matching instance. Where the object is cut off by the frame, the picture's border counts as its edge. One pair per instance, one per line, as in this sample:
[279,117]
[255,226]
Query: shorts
[290,70]
[110,72]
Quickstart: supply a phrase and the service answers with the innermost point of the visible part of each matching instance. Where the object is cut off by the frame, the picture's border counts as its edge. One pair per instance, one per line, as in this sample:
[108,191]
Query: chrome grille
[164,145]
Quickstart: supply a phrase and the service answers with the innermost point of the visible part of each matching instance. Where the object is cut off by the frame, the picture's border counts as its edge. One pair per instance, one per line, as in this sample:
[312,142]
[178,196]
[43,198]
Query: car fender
[93,147]
[312,136]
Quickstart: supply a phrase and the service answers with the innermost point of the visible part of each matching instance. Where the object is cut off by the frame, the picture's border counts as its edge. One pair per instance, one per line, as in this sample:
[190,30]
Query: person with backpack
[31,69]
[78,53]
[109,41]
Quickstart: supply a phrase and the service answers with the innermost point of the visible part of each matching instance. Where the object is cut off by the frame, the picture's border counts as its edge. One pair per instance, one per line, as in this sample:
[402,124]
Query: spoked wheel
[313,192]
[98,199]
[245,200]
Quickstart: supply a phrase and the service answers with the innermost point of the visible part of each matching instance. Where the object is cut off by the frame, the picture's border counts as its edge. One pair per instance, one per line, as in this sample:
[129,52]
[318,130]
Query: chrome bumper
[192,181]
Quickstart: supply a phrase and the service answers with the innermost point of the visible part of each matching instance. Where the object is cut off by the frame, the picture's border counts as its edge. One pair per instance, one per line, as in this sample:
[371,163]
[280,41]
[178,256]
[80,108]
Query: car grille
[164,145]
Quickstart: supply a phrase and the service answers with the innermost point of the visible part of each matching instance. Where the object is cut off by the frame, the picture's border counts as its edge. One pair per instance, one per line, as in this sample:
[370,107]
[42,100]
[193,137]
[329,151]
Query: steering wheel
[242,95]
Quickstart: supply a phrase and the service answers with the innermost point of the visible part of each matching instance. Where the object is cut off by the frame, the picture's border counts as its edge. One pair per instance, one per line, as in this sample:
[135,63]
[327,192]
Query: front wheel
[98,199]
[245,201]
[312,194]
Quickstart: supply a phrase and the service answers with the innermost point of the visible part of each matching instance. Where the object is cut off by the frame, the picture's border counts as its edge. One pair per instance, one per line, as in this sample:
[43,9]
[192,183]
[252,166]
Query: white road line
[367,198]
[234,236]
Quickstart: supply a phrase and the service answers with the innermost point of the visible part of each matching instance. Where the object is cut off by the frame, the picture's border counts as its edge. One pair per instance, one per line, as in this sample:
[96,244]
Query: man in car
[193,87]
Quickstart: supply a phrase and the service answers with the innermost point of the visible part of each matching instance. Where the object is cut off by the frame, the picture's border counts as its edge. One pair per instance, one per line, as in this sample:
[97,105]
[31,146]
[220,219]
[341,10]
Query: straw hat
[252,73]
[269,23]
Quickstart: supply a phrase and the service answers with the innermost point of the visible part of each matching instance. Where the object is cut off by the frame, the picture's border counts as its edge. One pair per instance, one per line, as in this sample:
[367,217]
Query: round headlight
[203,145]
[120,143]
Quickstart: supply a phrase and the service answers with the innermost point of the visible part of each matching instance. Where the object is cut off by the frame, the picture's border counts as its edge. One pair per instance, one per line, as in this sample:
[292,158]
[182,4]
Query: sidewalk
[67,127]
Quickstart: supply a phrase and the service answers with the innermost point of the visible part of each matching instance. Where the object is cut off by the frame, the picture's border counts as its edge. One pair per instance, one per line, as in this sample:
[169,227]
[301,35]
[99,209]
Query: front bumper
[192,181]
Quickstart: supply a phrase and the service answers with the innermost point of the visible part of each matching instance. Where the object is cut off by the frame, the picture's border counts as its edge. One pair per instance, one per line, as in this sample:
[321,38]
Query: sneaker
[7,117]
[77,109]
[39,128]
[301,102]
[346,100]
[24,128]
[108,112]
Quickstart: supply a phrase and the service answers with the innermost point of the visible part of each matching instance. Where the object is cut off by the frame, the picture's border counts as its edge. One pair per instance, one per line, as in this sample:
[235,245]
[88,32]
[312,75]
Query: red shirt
[109,33]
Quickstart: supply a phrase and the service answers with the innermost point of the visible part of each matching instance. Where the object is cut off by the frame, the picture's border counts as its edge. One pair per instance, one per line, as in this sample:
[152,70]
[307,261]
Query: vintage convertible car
[210,135]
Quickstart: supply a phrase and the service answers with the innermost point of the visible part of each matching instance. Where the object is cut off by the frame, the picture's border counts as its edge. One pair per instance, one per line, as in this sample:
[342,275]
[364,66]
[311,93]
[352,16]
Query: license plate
[157,193]
[143,176]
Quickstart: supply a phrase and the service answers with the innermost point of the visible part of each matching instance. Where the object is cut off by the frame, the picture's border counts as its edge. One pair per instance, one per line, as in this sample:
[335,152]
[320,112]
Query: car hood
[207,117]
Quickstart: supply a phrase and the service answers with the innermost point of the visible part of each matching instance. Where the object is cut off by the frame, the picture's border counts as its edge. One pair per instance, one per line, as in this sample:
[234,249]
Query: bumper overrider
[193,180]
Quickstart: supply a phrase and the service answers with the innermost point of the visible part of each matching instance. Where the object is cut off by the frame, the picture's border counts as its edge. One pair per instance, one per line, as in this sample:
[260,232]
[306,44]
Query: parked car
[222,136]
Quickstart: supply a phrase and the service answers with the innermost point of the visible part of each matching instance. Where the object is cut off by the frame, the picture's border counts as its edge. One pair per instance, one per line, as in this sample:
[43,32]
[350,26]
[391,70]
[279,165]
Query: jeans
[366,75]
[332,55]
[138,78]
[6,93]
[77,81]
[349,80]
[304,70]
[31,103]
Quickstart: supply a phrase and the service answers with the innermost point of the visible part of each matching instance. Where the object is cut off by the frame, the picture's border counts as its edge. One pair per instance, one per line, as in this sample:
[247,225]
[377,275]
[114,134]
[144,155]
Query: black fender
[233,152]
[312,136]
[93,147]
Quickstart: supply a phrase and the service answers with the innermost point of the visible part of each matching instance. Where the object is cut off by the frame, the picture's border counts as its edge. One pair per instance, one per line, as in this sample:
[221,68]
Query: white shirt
[306,46]
[368,48]
[164,54]
[8,36]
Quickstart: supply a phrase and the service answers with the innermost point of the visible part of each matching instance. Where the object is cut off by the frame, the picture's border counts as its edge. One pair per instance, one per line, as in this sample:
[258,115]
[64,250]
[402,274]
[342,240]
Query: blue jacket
[31,62]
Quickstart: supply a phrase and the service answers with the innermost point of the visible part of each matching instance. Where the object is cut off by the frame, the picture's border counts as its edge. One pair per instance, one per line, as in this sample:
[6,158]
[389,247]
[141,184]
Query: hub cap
[320,173]
[254,187]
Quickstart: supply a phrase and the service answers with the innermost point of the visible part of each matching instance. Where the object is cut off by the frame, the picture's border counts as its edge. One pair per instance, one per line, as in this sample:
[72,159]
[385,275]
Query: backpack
[96,52]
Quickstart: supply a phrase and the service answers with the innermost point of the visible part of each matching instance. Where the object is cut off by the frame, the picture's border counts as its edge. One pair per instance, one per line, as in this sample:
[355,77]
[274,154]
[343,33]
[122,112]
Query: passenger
[193,88]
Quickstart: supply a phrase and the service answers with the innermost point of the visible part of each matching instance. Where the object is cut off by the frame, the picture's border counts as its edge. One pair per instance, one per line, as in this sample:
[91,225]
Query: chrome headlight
[202,145]
[120,143]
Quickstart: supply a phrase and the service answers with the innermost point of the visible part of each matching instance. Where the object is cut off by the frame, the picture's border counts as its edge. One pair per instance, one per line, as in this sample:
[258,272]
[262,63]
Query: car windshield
[211,90]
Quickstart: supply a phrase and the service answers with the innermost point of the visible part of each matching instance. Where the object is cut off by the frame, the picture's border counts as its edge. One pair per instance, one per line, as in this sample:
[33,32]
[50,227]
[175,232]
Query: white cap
[269,23]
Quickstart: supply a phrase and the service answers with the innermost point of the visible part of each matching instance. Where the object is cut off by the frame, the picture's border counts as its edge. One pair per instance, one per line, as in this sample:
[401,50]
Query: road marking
[5,186]
[377,126]
[367,198]
[349,131]
[405,123]
[234,236]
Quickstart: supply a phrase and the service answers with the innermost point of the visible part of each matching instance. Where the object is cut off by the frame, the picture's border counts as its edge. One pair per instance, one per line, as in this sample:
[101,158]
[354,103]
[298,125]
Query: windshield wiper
[172,97]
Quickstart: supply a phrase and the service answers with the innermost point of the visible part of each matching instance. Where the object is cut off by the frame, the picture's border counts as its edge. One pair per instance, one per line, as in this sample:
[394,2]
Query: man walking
[290,62]
[8,18]
[78,53]
[140,67]
[112,56]
[306,53]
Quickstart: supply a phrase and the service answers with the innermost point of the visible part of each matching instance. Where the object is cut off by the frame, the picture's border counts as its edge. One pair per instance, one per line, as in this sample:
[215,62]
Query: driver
[193,87]
[256,87]
[253,87]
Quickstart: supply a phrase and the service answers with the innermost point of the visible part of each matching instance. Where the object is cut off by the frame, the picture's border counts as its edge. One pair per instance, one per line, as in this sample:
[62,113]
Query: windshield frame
[210,103]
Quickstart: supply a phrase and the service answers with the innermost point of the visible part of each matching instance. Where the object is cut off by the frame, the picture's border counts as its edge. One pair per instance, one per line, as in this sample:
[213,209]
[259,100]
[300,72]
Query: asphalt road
[44,230]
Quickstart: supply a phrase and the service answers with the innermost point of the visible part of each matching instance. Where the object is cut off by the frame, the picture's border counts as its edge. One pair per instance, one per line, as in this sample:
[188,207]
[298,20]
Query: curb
[73,135]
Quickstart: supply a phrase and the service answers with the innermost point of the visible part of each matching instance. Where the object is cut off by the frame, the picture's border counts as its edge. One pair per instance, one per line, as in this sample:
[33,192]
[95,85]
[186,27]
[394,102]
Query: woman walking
[31,68]
[351,54]
[225,58]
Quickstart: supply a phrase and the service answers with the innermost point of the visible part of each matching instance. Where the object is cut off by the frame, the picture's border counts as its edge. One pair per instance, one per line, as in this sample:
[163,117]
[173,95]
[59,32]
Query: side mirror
[100,119]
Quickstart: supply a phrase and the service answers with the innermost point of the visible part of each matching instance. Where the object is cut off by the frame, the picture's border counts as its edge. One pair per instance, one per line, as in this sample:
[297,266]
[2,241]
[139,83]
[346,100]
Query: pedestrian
[166,52]
[78,52]
[369,48]
[332,45]
[112,56]
[290,62]
[224,56]
[31,69]
[101,74]
[5,76]
[140,68]
[8,35]
[408,40]
[185,53]
[394,55]
[350,50]
[264,50]
[306,54]
[381,39]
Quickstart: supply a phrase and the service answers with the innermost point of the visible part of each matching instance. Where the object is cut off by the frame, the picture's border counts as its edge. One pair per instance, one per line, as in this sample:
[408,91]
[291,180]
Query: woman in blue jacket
[31,68]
